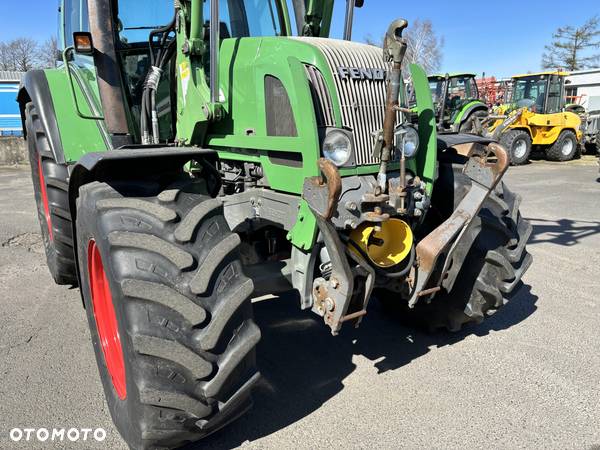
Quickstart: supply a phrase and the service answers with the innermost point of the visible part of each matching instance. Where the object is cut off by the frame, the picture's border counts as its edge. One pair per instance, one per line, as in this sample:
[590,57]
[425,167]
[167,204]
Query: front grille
[362,101]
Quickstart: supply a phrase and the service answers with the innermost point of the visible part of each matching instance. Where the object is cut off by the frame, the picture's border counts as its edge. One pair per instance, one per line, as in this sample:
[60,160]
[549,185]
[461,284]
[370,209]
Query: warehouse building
[10,117]
[583,88]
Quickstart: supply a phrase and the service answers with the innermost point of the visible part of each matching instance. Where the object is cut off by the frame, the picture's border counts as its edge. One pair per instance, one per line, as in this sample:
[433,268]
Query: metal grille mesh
[362,101]
[321,97]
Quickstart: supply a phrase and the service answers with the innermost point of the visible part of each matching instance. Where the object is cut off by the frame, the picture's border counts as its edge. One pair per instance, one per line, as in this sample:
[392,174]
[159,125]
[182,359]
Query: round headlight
[407,140]
[337,147]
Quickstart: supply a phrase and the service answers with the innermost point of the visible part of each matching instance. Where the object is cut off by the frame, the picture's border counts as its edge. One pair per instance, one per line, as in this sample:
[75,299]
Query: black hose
[158,59]
[166,56]
[165,33]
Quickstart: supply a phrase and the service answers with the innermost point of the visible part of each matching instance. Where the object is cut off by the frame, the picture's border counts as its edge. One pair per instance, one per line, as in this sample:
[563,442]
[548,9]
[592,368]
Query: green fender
[73,135]
[475,104]
[424,165]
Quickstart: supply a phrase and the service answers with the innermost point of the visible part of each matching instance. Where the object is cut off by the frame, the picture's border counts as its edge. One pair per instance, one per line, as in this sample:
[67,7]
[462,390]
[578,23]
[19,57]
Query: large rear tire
[168,308]
[493,266]
[51,190]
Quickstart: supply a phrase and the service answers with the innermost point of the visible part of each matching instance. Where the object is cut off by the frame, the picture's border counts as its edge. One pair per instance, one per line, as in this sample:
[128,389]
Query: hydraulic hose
[159,58]
[394,50]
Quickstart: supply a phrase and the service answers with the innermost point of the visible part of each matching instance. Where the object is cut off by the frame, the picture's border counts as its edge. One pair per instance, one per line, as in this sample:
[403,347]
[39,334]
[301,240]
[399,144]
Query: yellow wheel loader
[536,116]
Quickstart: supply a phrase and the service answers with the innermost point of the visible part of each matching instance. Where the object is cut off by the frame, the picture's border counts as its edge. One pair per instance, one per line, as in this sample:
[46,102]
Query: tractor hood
[329,83]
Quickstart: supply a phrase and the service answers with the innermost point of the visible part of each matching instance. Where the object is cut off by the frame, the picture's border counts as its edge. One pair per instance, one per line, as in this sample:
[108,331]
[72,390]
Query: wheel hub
[520,149]
[106,321]
[567,147]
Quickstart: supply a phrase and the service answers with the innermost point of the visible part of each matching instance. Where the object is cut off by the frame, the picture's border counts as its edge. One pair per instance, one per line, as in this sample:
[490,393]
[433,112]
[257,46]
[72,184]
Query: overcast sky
[498,38]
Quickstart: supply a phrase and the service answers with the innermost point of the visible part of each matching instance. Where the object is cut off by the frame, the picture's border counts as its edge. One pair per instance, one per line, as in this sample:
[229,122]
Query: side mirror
[82,43]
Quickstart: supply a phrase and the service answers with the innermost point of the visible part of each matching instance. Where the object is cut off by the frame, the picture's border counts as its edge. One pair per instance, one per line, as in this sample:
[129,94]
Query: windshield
[239,18]
[464,88]
[530,92]
[437,89]
[460,89]
[136,20]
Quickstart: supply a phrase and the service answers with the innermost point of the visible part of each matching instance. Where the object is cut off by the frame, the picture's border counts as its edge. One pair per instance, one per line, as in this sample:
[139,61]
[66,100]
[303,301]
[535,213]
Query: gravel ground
[527,377]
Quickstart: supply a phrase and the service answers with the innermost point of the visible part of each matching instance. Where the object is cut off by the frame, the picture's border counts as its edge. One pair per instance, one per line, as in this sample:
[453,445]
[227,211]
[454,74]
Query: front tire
[565,147]
[493,266]
[473,125]
[518,144]
[169,310]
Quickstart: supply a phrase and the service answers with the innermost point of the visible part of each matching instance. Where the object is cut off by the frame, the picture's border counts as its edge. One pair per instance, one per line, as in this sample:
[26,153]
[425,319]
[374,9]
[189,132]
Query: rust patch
[432,246]
[334,186]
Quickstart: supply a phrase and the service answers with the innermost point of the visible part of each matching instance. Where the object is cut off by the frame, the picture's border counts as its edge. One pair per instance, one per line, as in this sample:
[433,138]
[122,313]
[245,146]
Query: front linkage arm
[332,297]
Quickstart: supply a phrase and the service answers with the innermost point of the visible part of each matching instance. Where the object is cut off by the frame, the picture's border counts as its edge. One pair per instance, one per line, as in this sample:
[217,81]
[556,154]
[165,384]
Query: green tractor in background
[457,104]
[191,155]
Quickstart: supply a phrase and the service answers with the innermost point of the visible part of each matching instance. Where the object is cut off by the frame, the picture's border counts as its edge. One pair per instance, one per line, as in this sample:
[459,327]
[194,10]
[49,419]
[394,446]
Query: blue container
[10,116]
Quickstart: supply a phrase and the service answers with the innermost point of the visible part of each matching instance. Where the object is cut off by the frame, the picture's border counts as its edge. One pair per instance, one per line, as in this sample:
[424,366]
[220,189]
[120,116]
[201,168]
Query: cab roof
[537,74]
[441,76]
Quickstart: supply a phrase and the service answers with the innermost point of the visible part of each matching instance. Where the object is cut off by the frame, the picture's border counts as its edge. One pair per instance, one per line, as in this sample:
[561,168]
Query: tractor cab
[540,93]
[456,100]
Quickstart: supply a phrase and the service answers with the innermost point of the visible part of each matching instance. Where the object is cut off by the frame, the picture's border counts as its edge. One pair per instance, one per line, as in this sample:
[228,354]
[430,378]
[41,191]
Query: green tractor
[457,104]
[191,155]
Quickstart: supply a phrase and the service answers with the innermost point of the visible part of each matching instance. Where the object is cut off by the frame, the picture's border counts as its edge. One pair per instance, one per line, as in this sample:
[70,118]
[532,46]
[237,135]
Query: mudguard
[35,88]
[129,162]
[447,140]
[71,136]
[466,112]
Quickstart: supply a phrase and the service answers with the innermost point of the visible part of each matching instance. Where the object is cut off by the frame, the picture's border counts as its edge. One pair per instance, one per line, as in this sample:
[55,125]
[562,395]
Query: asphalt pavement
[528,377]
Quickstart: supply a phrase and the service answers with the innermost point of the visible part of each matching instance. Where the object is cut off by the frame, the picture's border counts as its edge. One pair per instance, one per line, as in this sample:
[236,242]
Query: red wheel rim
[44,194]
[106,321]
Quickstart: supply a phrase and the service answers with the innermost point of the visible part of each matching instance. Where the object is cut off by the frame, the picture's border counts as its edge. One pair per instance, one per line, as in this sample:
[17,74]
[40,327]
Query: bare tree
[7,61]
[19,55]
[424,47]
[569,46]
[48,53]
[25,53]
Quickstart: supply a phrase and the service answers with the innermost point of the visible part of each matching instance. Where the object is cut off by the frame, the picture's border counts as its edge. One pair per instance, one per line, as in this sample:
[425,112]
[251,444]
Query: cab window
[246,18]
[239,18]
[554,95]
[137,19]
[436,87]
[75,17]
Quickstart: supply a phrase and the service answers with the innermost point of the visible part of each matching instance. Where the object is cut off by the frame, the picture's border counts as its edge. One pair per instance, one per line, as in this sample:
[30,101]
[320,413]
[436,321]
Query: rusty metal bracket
[365,269]
[323,194]
[486,167]
[331,297]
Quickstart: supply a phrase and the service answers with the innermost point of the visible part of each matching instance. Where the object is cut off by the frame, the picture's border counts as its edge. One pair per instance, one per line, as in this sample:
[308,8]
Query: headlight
[337,147]
[407,140]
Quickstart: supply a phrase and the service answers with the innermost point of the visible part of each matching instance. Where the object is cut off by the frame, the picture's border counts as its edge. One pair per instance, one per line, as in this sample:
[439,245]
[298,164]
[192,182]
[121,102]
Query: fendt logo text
[361,73]
[57,434]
